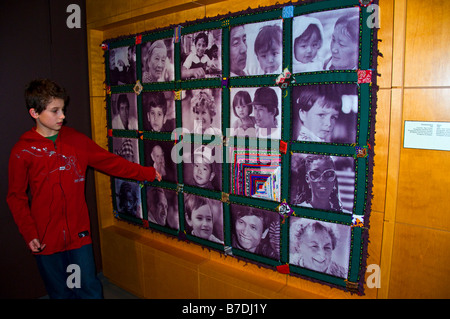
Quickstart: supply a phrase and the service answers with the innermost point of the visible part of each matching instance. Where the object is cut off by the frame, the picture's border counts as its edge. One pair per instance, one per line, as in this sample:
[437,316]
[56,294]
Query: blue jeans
[55,273]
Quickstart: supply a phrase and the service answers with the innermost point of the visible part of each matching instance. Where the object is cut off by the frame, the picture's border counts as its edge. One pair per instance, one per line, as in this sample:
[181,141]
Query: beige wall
[409,234]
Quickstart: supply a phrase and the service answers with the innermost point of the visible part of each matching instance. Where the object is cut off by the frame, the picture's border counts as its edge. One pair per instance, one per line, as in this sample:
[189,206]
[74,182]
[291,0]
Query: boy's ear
[33,113]
[188,220]
[212,176]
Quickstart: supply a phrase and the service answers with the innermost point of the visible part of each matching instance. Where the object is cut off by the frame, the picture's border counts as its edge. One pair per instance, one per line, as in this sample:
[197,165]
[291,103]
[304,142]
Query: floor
[111,291]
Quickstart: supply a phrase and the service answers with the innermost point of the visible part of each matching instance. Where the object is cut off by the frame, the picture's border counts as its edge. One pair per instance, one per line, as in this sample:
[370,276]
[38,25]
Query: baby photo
[202,111]
[128,198]
[124,111]
[322,182]
[202,166]
[319,246]
[204,217]
[157,61]
[325,113]
[255,230]
[158,110]
[201,55]
[256,48]
[327,40]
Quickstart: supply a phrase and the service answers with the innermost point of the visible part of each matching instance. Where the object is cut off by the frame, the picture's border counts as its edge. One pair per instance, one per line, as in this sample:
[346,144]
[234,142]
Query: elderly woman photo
[319,246]
[157,62]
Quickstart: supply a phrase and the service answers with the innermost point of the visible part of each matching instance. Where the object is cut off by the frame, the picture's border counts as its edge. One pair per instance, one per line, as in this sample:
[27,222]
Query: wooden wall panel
[409,231]
[427,43]
[420,263]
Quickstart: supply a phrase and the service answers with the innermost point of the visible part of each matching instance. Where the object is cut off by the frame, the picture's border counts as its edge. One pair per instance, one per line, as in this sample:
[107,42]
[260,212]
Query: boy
[155,106]
[204,167]
[269,49]
[51,160]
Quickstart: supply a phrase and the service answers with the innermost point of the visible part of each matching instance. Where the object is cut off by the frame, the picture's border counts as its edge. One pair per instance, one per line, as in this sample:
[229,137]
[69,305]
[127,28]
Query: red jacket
[55,175]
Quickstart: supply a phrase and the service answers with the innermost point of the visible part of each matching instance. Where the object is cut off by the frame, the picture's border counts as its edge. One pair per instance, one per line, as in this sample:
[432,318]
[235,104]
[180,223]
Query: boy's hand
[35,246]
[158,176]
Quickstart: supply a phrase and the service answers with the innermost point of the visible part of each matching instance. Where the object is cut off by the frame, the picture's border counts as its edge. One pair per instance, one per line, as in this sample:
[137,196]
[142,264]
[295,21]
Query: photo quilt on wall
[261,124]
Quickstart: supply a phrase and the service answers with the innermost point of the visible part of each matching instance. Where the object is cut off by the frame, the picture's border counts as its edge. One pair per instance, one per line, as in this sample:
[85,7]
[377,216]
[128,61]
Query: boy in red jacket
[50,161]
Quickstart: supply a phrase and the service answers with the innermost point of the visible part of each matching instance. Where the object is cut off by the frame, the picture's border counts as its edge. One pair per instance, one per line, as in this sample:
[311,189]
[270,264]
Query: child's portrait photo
[256,48]
[202,166]
[322,182]
[326,40]
[319,246]
[326,113]
[122,65]
[158,155]
[255,230]
[204,217]
[201,55]
[124,111]
[158,110]
[128,198]
[162,207]
[202,111]
[255,112]
[157,61]
[127,148]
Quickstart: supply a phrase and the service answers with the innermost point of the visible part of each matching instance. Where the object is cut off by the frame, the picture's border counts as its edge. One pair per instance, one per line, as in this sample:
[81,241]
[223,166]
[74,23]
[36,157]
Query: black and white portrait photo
[158,111]
[122,65]
[201,55]
[162,207]
[256,48]
[202,111]
[322,182]
[325,113]
[158,155]
[158,61]
[255,112]
[127,148]
[319,246]
[124,111]
[128,198]
[202,165]
[204,217]
[326,40]
[255,230]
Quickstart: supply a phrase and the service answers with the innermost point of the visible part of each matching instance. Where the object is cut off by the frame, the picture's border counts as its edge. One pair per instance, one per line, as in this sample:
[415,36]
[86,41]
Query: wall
[37,47]
[409,234]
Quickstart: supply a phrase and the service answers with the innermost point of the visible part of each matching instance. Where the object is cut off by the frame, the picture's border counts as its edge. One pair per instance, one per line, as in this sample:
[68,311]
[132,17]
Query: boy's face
[156,118]
[50,120]
[263,117]
[202,221]
[200,46]
[306,51]
[344,51]
[249,231]
[270,60]
[319,119]
[202,173]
